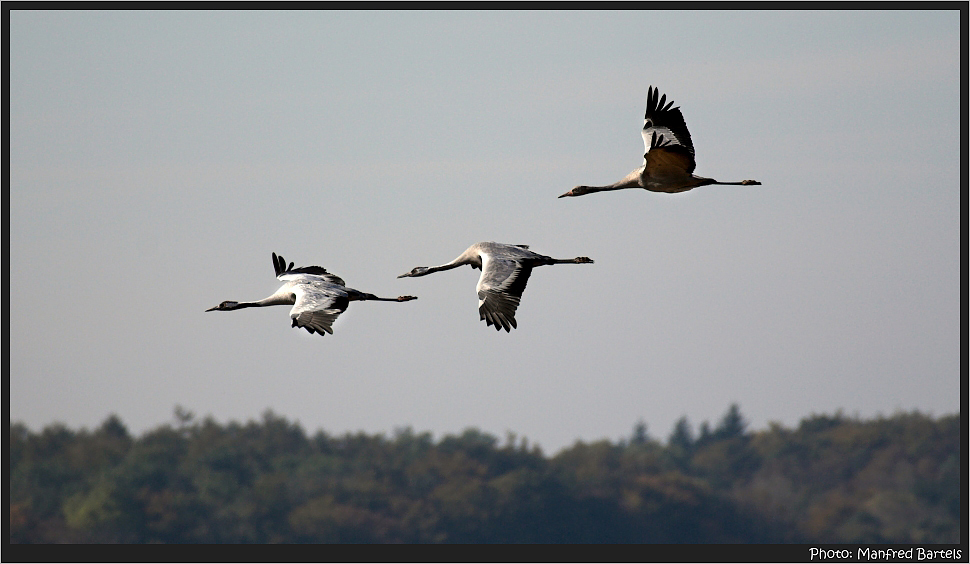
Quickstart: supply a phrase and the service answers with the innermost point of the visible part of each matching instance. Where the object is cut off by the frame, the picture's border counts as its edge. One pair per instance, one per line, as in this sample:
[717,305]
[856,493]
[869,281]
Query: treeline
[831,480]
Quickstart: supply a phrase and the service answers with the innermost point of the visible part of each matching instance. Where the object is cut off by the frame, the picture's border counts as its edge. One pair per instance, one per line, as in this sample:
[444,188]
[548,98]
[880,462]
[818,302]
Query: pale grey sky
[158,158]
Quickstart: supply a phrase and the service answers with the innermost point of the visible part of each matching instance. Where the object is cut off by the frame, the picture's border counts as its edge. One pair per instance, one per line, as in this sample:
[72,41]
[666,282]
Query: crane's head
[225,306]
[577,191]
[416,271]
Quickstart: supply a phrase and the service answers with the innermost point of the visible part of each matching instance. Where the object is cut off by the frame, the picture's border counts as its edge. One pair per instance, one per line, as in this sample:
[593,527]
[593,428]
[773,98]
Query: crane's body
[505,272]
[317,296]
[668,159]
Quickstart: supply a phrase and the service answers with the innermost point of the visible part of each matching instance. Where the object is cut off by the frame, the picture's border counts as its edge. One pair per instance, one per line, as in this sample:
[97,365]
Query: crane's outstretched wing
[668,164]
[500,289]
[316,308]
[281,268]
[664,130]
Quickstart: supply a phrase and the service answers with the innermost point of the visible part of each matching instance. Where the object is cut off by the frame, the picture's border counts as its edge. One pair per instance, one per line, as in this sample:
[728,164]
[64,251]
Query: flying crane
[317,296]
[505,271]
[668,160]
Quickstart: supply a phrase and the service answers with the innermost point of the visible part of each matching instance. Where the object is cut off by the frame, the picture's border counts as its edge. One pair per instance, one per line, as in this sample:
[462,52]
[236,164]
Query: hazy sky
[158,158]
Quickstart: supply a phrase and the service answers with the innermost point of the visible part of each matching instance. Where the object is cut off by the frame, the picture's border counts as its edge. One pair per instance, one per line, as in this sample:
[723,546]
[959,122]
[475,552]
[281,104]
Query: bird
[317,296]
[505,272]
[668,160]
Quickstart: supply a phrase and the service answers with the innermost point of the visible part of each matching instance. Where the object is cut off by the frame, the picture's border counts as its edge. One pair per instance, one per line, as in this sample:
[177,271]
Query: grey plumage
[505,272]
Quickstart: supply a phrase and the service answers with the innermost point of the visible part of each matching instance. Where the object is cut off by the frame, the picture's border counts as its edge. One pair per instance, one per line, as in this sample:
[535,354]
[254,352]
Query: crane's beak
[213,308]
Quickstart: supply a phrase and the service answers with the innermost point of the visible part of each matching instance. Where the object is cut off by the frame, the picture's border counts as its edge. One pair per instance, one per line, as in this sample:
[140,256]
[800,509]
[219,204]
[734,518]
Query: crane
[505,272]
[317,296]
[668,160]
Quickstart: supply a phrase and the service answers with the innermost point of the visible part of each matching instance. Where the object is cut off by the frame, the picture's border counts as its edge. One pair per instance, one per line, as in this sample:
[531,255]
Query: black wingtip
[278,264]
[657,103]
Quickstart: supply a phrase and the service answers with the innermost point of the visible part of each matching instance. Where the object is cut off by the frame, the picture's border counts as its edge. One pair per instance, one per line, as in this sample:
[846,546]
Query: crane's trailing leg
[373,298]
[577,260]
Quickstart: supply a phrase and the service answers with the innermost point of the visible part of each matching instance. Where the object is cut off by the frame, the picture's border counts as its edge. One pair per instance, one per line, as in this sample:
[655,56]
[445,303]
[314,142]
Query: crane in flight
[505,272]
[668,160]
[317,296]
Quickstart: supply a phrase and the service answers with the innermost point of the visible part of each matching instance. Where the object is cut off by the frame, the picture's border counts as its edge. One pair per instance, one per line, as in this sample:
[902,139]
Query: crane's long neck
[470,256]
[282,298]
[609,187]
[465,258]
[631,180]
[449,266]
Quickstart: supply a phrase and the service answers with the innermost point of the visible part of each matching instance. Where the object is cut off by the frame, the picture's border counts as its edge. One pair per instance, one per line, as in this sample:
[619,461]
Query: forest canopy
[833,479]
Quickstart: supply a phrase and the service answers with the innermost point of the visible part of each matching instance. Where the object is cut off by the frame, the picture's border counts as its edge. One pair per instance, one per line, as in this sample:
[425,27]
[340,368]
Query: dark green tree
[831,479]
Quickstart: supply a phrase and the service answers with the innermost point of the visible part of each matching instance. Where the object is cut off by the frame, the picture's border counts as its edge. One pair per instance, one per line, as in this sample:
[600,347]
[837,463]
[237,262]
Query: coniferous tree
[731,425]
[680,444]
